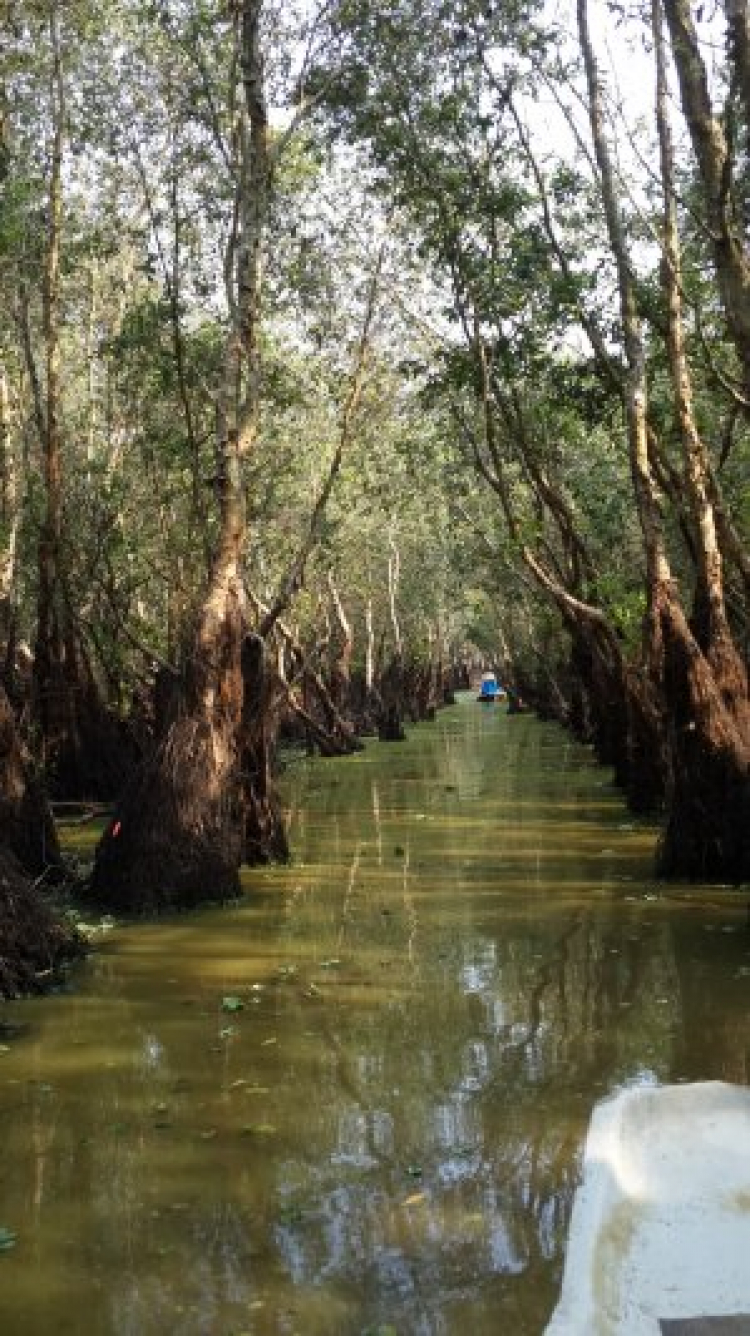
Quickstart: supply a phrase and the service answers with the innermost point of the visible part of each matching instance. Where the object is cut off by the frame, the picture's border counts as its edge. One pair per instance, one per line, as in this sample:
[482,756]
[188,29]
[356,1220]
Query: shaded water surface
[467,953]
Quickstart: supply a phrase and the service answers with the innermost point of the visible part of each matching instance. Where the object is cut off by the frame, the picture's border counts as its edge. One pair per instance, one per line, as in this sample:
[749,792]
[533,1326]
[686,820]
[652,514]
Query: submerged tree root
[34,943]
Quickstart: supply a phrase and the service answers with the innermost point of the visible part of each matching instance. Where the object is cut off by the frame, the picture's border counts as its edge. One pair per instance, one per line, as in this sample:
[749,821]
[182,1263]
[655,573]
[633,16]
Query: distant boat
[490,689]
[659,1241]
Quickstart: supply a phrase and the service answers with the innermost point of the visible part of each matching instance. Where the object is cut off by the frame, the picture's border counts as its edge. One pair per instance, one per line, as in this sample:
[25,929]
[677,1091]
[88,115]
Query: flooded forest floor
[353,1103]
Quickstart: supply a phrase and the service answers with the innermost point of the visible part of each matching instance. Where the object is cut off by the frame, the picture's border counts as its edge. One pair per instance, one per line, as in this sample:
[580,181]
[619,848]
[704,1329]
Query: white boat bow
[659,1241]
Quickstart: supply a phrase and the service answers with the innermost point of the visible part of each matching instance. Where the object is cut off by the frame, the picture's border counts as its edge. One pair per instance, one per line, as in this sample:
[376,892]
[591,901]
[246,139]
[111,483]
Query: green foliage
[421,119]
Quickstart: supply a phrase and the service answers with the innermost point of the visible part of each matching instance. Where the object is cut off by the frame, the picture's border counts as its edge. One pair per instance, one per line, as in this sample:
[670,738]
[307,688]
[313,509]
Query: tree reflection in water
[465,956]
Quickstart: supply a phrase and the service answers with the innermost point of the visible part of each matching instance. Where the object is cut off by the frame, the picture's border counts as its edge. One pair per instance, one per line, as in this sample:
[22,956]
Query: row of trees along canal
[296,404]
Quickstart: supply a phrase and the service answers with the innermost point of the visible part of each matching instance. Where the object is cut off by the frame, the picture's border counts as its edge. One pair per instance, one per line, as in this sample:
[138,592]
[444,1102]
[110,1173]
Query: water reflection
[467,952]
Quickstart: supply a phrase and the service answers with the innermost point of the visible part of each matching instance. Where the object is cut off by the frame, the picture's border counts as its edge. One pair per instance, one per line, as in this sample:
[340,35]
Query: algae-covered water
[354,1103]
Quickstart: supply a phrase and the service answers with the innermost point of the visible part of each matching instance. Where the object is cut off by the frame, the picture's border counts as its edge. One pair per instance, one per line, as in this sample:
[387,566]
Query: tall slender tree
[178,834]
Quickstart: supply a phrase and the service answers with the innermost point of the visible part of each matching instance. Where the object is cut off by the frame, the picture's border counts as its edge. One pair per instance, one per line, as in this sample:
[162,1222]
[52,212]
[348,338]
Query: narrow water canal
[355,1103]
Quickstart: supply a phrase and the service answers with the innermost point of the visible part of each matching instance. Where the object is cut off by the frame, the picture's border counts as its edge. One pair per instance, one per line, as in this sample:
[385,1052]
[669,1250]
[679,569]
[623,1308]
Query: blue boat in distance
[490,689]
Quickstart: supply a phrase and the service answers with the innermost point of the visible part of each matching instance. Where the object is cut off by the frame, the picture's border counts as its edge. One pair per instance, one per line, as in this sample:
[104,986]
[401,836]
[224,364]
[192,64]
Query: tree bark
[343,643]
[80,744]
[26,825]
[708,794]
[50,689]
[180,832]
[10,516]
[718,644]
[390,708]
[33,942]
[715,166]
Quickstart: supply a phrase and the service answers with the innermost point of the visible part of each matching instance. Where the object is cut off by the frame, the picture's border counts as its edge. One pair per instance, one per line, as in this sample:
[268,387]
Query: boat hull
[660,1231]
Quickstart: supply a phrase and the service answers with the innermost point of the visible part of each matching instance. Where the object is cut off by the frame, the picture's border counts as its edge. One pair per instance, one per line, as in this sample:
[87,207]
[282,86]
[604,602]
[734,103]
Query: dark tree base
[171,844]
[167,876]
[707,833]
[28,831]
[265,832]
[647,765]
[34,944]
[88,752]
[96,764]
[390,727]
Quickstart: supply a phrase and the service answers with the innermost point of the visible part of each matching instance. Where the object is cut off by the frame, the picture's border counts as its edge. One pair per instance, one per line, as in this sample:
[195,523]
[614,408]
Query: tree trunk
[52,695]
[26,826]
[371,702]
[33,942]
[343,647]
[723,213]
[705,679]
[390,689]
[701,487]
[179,834]
[10,517]
[708,794]
[8,491]
[390,706]
[707,832]
[81,747]
[264,832]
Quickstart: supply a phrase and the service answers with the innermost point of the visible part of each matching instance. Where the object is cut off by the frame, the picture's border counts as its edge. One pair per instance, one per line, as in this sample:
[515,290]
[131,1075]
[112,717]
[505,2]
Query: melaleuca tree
[538,258]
